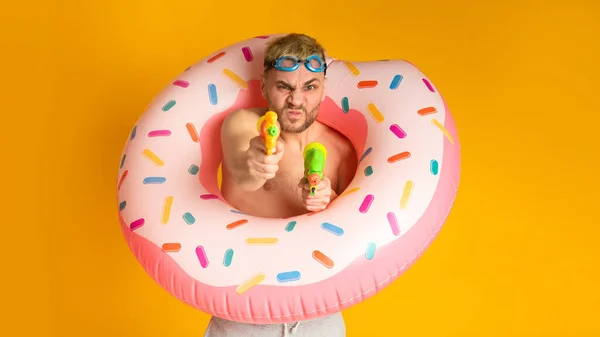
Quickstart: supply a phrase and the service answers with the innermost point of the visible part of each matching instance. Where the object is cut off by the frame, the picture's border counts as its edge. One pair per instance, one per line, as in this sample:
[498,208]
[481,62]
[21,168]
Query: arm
[236,132]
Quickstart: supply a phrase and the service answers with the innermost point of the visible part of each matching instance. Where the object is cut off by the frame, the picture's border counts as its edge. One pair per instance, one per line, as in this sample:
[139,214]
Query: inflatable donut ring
[257,270]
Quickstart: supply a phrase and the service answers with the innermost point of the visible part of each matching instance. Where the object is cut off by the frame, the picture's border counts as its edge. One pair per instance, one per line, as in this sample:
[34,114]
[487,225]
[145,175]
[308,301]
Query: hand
[320,199]
[261,166]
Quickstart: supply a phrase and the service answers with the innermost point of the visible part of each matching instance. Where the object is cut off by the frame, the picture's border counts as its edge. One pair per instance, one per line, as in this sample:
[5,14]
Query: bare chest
[291,172]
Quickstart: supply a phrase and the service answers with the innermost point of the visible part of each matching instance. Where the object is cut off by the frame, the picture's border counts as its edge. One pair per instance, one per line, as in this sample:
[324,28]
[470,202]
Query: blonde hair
[293,44]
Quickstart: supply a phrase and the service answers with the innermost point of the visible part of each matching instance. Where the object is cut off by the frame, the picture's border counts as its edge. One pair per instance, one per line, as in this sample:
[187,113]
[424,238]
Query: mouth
[294,113]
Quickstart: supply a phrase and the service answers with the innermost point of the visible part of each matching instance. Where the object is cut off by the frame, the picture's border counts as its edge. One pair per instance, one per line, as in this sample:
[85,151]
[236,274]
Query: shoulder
[242,119]
[243,115]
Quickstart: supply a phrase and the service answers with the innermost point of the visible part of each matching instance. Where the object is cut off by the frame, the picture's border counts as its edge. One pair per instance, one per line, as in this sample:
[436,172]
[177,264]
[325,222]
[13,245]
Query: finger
[303,183]
[258,143]
[306,194]
[270,160]
[318,193]
[279,146]
[315,199]
[316,203]
[324,184]
[279,151]
[264,168]
[315,208]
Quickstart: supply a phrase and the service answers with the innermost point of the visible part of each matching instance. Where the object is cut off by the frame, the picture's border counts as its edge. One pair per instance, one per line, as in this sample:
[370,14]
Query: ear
[263,83]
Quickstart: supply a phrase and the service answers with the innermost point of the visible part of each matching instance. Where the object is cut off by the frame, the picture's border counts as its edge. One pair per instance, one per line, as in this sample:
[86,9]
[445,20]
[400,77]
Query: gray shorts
[328,326]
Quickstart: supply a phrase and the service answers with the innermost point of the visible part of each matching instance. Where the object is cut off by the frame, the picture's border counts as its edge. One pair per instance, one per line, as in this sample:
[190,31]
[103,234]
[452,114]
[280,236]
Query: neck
[301,139]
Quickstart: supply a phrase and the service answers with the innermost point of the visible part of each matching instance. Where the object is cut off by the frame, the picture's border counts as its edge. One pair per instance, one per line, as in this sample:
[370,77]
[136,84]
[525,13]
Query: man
[273,185]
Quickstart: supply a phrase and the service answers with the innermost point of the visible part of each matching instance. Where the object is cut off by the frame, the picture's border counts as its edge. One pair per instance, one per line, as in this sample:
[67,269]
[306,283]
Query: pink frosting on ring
[157,185]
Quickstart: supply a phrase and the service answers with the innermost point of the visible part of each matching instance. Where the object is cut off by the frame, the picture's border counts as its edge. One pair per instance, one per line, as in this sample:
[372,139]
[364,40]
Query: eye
[310,87]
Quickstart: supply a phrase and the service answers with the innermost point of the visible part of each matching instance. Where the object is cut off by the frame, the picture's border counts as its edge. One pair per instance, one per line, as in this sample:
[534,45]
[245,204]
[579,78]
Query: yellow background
[518,255]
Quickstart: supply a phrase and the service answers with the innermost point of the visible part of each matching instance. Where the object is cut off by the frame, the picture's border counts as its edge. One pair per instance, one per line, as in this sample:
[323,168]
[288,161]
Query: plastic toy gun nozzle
[314,180]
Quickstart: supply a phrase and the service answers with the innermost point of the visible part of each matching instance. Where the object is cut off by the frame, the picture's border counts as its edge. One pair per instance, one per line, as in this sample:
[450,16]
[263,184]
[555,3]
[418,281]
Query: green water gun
[315,155]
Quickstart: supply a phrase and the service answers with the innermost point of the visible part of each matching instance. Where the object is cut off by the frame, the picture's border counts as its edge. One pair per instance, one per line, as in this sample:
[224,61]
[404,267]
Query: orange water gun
[269,130]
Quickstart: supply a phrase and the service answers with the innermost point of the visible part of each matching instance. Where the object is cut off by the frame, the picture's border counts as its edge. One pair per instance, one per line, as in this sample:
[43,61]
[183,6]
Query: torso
[281,197]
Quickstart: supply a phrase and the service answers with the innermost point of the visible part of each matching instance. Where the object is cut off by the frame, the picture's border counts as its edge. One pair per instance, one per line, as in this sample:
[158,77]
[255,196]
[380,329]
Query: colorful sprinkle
[366,204]
[227,257]
[288,276]
[216,57]
[352,190]
[133,133]
[201,254]
[136,224]
[247,54]
[251,282]
[397,130]
[234,77]
[427,111]
[434,167]
[290,226]
[261,241]
[208,197]
[192,131]
[353,70]
[441,127]
[366,153]
[393,223]
[323,259]
[166,211]
[262,37]
[122,179]
[399,156]
[366,84]
[375,113]
[188,218]
[333,229]
[370,250]
[181,83]
[236,224]
[406,194]
[345,105]
[193,170]
[171,247]
[154,180]
[396,82]
[122,205]
[168,105]
[428,84]
[237,212]
[368,171]
[153,158]
[159,133]
[212,94]
[122,161]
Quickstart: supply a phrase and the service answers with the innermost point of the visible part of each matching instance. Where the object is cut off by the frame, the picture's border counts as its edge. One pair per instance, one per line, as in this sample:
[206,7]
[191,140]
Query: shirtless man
[251,179]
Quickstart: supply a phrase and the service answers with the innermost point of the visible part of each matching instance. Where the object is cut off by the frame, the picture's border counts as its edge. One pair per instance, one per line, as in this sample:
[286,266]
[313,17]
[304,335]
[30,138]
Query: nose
[295,98]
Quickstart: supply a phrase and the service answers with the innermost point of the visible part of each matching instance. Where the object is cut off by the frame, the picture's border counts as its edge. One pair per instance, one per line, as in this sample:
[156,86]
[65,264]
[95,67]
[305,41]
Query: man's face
[295,96]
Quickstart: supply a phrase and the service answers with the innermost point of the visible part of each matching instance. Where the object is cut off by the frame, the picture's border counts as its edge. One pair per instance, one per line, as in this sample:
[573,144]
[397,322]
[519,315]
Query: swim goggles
[313,63]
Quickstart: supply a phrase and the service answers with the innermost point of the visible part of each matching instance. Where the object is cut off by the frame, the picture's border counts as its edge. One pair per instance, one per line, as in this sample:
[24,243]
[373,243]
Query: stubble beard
[310,119]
